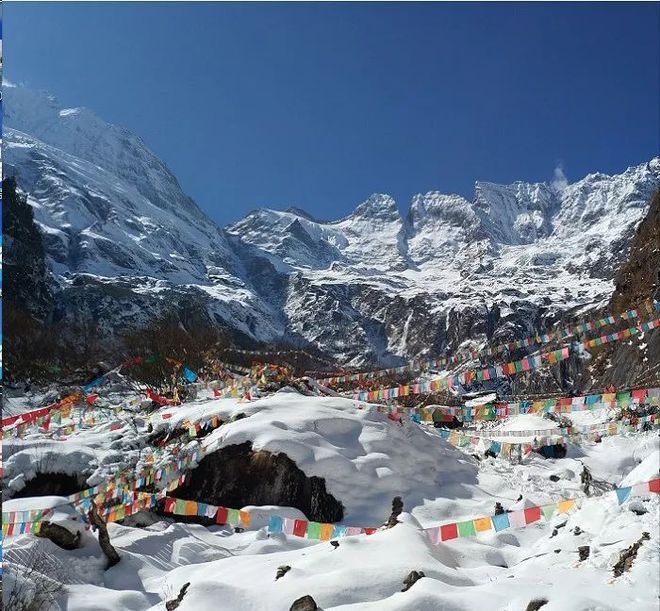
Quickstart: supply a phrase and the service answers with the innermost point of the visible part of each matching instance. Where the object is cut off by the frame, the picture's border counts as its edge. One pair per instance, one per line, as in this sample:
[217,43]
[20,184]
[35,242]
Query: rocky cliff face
[26,277]
[125,246]
[636,362]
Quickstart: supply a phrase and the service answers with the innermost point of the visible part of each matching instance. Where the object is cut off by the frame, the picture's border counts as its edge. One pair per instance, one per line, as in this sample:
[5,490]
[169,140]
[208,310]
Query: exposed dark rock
[586,479]
[412,578]
[60,536]
[51,484]
[282,571]
[536,604]
[499,509]
[334,544]
[628,556]
[583,552]
[305,603]
[236,476]
[637,508]
[554,478]
[397,508]
[638,280]
[173,604]
[27,281]
[577,531]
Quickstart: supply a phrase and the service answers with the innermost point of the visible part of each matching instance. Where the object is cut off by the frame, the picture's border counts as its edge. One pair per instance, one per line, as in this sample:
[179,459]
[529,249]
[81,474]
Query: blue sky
[319,105]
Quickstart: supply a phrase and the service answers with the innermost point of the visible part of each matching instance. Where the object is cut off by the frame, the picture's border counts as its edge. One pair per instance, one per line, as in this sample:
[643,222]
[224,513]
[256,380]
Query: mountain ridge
[374,286]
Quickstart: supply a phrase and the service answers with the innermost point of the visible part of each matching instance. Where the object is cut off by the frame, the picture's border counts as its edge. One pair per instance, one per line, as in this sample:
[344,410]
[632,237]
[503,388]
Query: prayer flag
[482,524]
[233,517]
[466,529]
[501,521]
[622,494]
[221,515]
[313,530]
[548,510]
[275,524]
[517,519]
[245,518]
[326,531]
[299,528]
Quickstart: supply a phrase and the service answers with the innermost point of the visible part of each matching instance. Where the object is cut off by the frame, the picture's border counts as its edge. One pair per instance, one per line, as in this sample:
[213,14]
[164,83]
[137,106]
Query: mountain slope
[638,280]
[126,245]
[115,222]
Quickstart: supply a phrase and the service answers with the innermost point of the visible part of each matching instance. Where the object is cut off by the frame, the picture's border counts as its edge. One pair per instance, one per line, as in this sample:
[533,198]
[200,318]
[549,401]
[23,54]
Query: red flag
[532,514]
[221,516]
[448,531]
[300,528]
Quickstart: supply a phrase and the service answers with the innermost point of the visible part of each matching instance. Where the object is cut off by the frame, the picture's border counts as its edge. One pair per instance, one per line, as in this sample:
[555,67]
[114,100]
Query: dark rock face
[59,535]
[27,280]
[637,282]
[412,578]
[306,603]
[236,476]
[627,557]
[51,484]
[536,604]
[173,604]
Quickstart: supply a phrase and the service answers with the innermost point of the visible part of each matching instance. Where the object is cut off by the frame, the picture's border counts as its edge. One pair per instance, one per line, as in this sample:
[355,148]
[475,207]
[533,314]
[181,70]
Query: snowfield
[366,459]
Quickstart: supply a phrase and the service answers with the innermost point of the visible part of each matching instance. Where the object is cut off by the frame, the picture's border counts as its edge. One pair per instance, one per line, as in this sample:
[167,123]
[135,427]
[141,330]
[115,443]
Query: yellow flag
[245,518]
[565,506]
[326,531]
[482,524]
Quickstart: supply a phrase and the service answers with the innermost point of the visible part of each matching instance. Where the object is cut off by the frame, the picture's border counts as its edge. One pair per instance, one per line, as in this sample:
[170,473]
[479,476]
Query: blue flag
[622,494]
[275,524]
[500,521]
[189,376]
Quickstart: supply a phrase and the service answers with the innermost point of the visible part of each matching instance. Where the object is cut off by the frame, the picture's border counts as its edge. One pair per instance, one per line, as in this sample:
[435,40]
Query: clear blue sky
[319,105]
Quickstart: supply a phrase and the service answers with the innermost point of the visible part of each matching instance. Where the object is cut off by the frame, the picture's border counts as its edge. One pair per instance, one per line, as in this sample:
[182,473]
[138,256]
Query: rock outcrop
[236,476]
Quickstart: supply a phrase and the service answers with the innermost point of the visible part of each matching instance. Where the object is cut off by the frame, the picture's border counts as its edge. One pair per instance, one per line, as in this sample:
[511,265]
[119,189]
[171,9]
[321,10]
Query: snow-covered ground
[365,459]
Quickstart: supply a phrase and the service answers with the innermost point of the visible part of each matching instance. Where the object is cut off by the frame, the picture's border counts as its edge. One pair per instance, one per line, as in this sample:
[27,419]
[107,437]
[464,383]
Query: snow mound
[647,470]
[365,458]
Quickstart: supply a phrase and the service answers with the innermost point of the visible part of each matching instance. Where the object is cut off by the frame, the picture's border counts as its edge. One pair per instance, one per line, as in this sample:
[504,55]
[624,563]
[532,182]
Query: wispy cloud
[559,180]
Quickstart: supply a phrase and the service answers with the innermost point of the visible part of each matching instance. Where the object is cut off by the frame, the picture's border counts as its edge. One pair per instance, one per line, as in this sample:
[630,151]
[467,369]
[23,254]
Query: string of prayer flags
[319,530]
[478,443]
[11,529]
[63,405]
[491,373]
[525,517]
[534,340]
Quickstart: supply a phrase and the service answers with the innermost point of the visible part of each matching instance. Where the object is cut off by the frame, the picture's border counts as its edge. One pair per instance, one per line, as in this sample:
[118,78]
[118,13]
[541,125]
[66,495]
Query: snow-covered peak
[519,213]
[369,284]
[379,207]
[79,132]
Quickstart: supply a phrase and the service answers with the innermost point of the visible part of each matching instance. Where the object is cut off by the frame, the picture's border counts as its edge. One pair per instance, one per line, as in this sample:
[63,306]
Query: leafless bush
[32,580]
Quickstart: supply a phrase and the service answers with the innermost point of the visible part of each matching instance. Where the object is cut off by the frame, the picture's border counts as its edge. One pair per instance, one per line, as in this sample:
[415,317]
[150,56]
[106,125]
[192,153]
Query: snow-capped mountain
[125,244]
